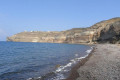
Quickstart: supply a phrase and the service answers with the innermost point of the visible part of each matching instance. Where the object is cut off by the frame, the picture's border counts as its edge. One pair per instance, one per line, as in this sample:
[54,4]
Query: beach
[103,63]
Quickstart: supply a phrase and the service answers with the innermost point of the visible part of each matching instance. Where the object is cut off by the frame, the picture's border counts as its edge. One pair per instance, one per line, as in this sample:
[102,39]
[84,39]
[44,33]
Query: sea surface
[44,61]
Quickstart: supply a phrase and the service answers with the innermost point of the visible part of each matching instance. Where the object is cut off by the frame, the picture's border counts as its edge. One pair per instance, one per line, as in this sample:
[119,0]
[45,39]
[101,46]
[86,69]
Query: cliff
[101,32]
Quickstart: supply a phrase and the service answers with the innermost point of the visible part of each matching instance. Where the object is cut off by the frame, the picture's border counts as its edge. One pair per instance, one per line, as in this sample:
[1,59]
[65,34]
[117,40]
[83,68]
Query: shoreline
[73,73]
[103,63]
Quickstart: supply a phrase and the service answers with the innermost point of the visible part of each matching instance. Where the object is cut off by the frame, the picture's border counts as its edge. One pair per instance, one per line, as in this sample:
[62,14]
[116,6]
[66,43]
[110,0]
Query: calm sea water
[21,61]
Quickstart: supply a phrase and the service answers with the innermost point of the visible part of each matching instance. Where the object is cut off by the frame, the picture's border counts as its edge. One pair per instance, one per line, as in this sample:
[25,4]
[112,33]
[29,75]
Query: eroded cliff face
[104,31]
[107,31]
[70,36]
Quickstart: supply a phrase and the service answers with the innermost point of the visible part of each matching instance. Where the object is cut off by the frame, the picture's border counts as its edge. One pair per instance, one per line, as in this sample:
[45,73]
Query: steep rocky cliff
[107,31]
[104,31]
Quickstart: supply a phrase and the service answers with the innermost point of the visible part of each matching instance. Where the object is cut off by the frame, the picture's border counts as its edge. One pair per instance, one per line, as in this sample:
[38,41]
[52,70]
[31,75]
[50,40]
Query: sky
[53,15]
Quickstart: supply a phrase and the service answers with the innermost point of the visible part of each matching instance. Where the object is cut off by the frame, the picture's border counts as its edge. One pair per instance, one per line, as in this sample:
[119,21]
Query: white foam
[58,77]
[29,78]
[32,78]
[64,68]
[73,61]
[58,71]
[89,50]
[76,55]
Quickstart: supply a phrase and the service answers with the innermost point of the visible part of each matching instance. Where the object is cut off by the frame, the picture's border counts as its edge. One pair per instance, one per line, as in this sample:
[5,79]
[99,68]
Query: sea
[39,61]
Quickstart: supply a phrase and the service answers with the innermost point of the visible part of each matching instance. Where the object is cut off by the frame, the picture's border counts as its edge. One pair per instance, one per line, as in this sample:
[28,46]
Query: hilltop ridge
[101,32]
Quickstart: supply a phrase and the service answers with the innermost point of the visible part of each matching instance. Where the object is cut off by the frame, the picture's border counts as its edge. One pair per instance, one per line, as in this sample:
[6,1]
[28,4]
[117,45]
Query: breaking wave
[61,71]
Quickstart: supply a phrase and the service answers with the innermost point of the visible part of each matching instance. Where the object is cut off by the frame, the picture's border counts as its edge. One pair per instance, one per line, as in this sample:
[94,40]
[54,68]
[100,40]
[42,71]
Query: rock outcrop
[104,31]
[107,31]
[69,36]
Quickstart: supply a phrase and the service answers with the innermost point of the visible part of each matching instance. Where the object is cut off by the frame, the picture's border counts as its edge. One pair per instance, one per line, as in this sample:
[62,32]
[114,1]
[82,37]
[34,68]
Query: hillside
[101,32]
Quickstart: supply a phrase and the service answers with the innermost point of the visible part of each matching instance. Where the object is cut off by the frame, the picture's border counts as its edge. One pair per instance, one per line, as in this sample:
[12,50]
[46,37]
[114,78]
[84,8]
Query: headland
[107,31]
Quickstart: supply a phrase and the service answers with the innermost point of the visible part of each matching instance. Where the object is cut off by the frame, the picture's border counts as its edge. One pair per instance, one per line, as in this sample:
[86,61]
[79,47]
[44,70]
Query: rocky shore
[104,64]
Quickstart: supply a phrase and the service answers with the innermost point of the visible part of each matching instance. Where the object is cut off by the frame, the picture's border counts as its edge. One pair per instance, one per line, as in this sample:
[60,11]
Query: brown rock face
[107,31]
[104,31]
[70,36]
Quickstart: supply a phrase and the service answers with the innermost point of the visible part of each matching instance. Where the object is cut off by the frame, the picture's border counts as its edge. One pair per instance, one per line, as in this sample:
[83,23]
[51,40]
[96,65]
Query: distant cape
[107,31]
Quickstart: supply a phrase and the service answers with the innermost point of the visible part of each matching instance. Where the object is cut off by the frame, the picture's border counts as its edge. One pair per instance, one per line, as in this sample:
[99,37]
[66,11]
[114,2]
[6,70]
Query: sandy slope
[104,64]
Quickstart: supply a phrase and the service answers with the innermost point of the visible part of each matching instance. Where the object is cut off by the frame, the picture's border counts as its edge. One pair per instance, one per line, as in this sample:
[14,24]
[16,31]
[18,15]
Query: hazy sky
[53,15]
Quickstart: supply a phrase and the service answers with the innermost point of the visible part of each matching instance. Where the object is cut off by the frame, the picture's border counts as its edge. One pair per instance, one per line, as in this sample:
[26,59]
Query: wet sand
[73,73]
[102,64]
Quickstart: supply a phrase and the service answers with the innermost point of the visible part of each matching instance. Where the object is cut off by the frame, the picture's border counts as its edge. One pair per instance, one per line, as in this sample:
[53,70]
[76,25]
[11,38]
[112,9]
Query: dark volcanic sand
[74,74]
[102,64]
